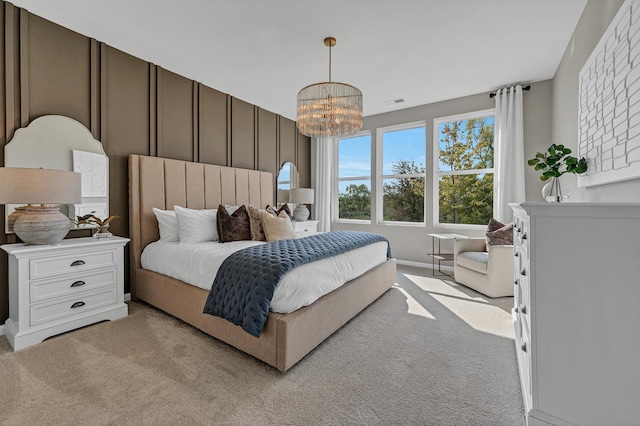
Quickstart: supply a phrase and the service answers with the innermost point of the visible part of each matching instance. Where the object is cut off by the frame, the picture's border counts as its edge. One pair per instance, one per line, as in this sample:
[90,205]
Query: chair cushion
[476,260]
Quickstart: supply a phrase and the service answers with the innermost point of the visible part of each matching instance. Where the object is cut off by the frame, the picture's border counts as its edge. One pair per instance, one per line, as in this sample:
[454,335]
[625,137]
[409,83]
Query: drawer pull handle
[516,282]
[78,284]
[523,309]
[523,272]
[77,305]
[516,254]
[515,309]
[524,236]
[524,347]
[77,263]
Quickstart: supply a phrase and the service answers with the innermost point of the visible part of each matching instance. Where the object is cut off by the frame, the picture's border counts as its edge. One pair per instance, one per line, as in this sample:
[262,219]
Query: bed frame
[286,338]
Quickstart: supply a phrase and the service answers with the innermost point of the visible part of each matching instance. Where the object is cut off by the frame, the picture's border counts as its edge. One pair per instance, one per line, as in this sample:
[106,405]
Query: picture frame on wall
[609,102]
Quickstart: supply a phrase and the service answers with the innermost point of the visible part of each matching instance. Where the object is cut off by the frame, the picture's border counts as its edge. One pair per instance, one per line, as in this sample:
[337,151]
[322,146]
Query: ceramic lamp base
[301,213]
[42,225]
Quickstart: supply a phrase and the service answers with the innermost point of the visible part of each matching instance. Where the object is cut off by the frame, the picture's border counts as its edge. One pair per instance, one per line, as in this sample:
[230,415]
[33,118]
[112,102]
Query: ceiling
[265,51]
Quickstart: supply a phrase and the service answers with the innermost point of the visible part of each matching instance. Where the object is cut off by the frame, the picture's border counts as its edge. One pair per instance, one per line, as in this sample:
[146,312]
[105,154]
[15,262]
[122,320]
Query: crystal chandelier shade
[329,109]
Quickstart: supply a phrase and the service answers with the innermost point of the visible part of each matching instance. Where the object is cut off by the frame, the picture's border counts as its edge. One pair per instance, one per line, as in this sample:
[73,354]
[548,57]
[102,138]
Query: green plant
[554,159]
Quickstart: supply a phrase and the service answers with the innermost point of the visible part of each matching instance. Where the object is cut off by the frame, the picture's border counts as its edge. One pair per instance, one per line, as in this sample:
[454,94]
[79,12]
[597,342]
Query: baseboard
[2,330]
[423,265]
[127,297]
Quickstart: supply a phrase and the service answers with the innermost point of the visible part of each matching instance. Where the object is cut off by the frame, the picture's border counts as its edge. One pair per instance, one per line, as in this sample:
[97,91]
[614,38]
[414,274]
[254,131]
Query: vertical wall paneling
[175,116]
[195,117]
[102,102]
[24,67]
[267,142]
[153,111]
[213,129]
[4,288]
[256,115]
[287,141]
[59,71]
[158,108]
[133,107]
[95,92]
[126,112]
[9,67]
[229,130]
[304,159]
[243,134]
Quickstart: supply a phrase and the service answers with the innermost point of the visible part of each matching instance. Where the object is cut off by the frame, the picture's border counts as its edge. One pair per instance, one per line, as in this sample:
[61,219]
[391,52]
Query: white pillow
[231,209]
[167,224]
[197,226]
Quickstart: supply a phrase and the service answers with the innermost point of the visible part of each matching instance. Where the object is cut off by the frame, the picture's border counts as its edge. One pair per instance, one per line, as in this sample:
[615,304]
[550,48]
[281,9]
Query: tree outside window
[465,158]
[354,177]
[403,171]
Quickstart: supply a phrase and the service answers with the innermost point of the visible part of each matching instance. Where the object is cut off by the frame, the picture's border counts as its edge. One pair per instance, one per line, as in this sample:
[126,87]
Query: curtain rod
[525,88]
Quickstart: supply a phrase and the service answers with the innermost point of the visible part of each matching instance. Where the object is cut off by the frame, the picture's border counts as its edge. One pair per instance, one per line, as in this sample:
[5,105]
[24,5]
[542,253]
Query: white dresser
[306,227]
[577,312]
[57,288]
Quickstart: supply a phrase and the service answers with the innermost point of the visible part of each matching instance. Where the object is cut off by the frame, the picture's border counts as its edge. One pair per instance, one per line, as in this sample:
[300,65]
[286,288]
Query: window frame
[436,167]
[335,199]
[381,177]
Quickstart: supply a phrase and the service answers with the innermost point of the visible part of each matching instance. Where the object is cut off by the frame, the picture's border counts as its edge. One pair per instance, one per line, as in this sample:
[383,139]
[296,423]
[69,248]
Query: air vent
[393,101]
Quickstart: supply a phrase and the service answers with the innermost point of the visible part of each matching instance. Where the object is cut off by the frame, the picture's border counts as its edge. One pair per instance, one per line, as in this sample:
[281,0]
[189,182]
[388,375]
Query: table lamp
[43,223]
[301,196]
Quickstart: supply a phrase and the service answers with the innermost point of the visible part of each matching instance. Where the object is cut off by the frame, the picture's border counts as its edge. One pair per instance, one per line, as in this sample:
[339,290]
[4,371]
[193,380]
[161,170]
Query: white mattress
[197,264]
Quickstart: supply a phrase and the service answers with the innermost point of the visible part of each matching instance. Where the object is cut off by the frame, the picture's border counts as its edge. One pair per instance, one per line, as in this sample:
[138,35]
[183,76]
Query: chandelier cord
[330,46]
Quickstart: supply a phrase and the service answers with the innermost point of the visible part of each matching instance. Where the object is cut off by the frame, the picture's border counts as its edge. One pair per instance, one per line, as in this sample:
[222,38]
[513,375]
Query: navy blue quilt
[245,283]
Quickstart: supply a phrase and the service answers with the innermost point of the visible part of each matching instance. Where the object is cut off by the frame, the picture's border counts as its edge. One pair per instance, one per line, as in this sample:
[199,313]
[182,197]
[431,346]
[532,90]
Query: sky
[408,144]
[355,153]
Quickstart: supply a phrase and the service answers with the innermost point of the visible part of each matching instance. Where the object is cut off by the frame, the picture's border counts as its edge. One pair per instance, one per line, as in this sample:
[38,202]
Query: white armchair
[490,273]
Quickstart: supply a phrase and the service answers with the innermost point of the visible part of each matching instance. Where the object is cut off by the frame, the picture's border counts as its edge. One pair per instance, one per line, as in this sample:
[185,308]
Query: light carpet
[428,352]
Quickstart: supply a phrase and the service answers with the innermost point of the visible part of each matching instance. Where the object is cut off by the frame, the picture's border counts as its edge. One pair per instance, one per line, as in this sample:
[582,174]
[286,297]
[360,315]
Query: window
[402,172]
[354,177]
[463,160]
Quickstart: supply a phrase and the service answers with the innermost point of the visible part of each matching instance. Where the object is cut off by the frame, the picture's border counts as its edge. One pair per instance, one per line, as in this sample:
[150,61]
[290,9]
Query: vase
[552,191]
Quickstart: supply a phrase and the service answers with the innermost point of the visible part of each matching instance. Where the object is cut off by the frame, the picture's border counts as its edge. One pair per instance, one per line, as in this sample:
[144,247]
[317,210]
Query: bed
[286,338]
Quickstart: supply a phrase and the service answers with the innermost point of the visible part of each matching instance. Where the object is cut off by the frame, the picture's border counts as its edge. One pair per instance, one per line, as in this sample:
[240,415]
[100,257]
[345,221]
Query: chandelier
[329,109]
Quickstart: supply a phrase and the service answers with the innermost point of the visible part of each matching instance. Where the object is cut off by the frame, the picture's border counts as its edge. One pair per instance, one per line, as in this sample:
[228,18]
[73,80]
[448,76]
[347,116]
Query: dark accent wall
[132,107]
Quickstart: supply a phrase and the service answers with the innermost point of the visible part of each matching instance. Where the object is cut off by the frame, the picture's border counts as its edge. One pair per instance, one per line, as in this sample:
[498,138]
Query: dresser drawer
[46,312]
[72,284]
[305,228]
[525,356]
[70,263]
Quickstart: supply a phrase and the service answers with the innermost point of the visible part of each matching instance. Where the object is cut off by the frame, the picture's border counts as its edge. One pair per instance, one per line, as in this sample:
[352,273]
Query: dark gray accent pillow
[499,234]
[234,227]
[276,212]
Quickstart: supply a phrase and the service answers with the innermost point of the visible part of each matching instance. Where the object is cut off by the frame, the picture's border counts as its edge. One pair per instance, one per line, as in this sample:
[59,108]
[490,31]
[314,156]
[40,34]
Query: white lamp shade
[301,196]
[39,186]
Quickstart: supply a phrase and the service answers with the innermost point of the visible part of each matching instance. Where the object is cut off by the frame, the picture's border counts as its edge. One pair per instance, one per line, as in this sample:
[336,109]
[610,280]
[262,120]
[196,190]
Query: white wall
[412,243]
[592,24]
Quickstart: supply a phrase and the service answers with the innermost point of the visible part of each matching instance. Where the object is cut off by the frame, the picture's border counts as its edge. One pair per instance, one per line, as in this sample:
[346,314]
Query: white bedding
[197,264]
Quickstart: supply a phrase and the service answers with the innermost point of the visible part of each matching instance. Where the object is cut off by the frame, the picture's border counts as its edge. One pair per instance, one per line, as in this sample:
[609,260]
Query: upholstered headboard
[163,183]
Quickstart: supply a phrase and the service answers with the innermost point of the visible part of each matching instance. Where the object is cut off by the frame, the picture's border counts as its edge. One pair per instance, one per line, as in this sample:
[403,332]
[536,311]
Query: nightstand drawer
[46,312]
[72,284]
[70,263]
[306,227]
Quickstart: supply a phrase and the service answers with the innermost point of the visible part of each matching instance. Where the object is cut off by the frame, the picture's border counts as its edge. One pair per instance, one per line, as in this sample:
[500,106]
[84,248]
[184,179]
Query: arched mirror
[61,143]
[288,178]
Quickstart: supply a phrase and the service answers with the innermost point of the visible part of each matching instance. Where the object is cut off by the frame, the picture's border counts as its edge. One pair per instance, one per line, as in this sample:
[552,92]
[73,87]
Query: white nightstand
[306,227]
[57,288]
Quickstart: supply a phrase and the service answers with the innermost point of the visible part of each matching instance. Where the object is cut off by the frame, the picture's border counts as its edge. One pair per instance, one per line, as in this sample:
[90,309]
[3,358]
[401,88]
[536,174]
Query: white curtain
[509,153]
[322,178]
